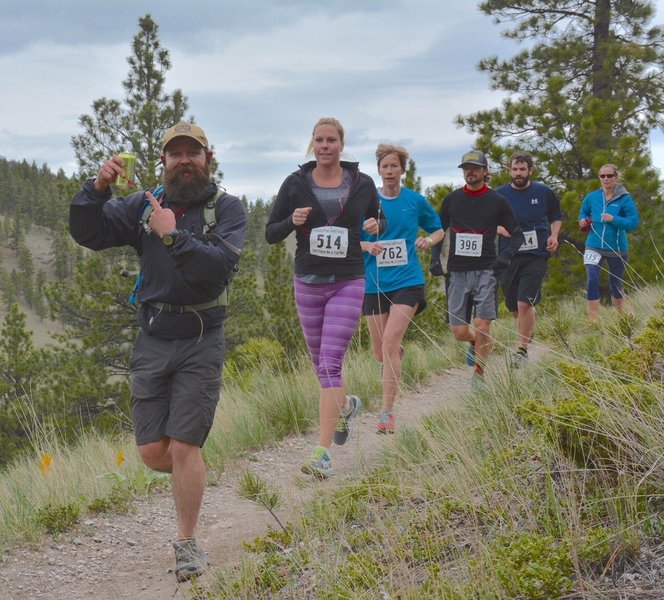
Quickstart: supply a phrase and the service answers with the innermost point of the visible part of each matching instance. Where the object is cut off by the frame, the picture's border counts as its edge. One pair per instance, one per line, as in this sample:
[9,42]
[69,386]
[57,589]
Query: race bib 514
[329,241]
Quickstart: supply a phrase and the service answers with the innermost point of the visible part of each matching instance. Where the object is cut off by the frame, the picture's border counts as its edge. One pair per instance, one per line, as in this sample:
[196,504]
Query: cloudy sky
[258,74]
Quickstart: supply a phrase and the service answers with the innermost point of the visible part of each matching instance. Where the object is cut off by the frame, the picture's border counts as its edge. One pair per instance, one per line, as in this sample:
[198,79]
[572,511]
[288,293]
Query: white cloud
[257,76]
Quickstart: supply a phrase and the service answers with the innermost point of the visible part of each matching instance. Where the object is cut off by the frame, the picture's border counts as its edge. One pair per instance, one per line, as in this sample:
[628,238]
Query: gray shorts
[480,287]
[175,386]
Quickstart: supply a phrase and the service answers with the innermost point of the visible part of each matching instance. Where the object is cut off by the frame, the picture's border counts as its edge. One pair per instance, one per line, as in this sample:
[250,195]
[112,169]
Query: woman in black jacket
[327,202]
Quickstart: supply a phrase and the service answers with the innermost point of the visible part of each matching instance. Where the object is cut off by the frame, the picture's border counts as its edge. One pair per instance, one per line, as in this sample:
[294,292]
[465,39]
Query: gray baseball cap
[474,157]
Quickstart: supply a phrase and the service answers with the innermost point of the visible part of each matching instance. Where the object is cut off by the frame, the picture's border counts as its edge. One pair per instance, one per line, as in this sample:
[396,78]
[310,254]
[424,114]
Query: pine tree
[17,236]
[245,312]
[39,305]
[138,123]
[283,324]
[257,215]
[10,288]
[64,253]
[20,367]
[587,90]
[94,310]
[26,273]
[411,179]
[17,364]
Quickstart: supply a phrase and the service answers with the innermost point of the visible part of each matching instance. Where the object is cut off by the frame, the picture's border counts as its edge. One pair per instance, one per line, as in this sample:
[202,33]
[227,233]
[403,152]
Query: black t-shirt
[471,219]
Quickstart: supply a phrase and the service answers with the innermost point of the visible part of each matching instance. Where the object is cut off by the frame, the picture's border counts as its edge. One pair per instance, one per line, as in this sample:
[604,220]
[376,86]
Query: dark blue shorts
[522,280]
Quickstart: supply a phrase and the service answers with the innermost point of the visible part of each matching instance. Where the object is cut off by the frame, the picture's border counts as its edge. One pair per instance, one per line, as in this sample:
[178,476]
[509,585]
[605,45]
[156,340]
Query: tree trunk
[601,71]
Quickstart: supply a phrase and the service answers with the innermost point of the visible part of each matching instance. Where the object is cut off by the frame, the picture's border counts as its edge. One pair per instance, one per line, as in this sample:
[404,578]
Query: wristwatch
[168,239]
[430,240]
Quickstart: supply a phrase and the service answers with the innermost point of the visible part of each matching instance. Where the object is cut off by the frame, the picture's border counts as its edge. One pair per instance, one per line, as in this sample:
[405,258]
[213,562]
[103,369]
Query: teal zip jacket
[610,236]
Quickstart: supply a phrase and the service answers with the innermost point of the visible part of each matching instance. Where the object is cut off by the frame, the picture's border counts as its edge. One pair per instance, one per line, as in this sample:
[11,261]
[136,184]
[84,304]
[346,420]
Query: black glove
[499,264]
[436,268]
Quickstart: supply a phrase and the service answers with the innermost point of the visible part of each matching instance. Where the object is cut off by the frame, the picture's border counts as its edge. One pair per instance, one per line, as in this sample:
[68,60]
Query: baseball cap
[185,130]
[474,157]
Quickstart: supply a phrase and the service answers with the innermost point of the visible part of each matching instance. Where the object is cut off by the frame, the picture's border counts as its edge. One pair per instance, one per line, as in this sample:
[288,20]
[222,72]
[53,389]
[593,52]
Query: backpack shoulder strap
[210,210]
[147,209]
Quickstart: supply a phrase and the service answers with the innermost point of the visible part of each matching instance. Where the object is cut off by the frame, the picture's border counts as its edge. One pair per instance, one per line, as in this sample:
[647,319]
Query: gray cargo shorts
[175,386]
[481,286]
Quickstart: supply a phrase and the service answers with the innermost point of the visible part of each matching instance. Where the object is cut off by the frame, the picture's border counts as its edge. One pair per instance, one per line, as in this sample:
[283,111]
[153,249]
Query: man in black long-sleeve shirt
[472,215]
[186,262]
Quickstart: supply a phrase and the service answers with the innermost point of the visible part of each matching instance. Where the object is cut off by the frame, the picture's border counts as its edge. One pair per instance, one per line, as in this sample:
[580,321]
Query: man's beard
[523,182]
[473,179]
[187,189]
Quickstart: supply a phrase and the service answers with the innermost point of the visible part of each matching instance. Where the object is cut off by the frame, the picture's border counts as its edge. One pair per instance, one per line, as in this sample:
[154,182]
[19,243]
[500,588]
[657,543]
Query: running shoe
[190,560]
[319,464]
[519,359]
[345,423]
[385,423]
[470,355]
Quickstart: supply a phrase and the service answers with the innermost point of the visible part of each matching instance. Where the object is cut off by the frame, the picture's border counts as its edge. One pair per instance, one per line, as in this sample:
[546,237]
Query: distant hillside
[39,241]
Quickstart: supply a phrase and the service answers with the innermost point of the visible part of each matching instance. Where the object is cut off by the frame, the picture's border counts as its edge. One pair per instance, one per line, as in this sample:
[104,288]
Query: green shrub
[644,358]
[260,354]
[360,572]
[595,548]
[119,499]
[255,355]
[597,421]
[533,566]
[55,519]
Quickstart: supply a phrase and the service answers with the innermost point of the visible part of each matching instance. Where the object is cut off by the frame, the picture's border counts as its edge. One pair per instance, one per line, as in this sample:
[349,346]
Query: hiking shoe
[345,423]
[190,560]
[470,355]
[519,359]
[319,464]
[385,423]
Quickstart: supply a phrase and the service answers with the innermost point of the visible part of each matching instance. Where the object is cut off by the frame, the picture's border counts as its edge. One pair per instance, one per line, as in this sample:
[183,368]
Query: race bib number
[468,244]
[329,241]
[394,254]
[590,257]
[530,243]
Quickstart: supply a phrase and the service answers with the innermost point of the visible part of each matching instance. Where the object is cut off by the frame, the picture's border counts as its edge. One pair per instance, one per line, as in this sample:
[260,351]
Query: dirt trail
[113,557]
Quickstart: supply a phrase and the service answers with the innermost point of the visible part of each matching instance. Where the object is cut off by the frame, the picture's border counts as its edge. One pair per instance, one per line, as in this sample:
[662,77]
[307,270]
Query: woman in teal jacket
[607,214]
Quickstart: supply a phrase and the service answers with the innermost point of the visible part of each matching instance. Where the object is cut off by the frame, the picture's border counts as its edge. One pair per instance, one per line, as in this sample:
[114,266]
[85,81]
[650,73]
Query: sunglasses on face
[607,175]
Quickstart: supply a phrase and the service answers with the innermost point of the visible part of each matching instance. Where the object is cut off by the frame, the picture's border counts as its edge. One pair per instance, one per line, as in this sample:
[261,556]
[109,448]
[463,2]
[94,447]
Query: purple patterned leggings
[329,314]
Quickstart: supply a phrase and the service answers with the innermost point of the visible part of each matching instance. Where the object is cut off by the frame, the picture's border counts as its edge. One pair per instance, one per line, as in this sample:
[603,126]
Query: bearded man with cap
[471,216]
[178,354]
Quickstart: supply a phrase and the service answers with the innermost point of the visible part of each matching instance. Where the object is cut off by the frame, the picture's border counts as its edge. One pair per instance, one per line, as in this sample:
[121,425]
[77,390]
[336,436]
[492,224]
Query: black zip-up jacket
[295,192]
[193,271]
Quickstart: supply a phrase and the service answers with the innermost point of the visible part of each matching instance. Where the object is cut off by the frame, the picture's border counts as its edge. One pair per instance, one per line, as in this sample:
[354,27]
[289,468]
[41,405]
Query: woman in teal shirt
[394,291]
